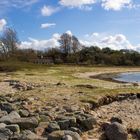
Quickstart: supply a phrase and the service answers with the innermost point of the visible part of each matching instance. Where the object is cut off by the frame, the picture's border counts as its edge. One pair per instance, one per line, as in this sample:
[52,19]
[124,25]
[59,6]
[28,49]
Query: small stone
[43,124]
[74,135]
[56,135]
[39,131]
[67,137]
[64,124]
[86,121]
[3,113]
[138,134]
[14,128]
[2,125]
[5,134]
[53,127]
[116,119]
[28,135]
[138,95]
[23,113]
[74,129]
[6,107]
[45,118]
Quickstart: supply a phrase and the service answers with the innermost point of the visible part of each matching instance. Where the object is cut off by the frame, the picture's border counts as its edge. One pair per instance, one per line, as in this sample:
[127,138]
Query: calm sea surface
[133,77]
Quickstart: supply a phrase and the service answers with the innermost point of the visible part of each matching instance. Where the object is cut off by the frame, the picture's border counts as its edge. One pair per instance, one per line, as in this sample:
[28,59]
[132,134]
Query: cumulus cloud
[41,44]
[47,25]
[36,44]
[102,40]
[48,10]
[116,4]
[2,24]
[116,42]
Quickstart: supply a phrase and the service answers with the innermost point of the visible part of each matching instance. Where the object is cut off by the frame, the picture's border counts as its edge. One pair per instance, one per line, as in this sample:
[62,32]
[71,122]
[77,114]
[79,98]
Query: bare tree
[69,44]
[75,44]
[9,43]
[65,43]
[3,51]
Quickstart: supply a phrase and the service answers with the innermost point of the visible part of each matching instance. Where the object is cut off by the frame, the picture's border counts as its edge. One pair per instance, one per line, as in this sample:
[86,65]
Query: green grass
[68,74]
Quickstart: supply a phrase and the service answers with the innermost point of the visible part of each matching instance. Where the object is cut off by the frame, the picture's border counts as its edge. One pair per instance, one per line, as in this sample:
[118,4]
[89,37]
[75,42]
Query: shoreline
[108,77]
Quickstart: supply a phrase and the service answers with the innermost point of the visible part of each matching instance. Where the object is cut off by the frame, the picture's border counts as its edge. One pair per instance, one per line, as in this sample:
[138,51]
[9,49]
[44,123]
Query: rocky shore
[111,118]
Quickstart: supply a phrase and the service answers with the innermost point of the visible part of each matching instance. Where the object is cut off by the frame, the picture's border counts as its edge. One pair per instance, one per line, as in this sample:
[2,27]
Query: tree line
[71,51]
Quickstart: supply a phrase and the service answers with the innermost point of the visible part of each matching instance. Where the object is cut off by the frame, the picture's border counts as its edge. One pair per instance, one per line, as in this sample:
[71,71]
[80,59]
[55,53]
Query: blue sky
[39,23]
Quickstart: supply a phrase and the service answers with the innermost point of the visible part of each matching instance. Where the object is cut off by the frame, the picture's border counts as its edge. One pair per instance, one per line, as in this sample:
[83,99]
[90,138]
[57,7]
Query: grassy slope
[50,75]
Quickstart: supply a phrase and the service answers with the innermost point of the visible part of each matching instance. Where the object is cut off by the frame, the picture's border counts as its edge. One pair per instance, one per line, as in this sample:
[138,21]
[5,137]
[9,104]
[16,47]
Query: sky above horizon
[105,23]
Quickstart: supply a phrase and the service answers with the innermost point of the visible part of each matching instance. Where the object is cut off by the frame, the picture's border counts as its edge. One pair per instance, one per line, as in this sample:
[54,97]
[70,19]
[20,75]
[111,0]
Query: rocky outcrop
[23,86]
[112,98]
[66,122]
[19,123]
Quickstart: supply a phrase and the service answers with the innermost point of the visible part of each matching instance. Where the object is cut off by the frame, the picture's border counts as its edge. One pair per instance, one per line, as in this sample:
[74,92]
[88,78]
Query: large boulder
[8,119]
[115,131]
[26,123]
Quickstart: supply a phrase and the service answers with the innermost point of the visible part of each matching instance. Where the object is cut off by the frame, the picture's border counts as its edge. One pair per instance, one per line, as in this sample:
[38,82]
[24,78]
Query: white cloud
[116,42]
[69,32]
[102,40]
[48,10]
[36,44]
[76,3]
[106,4]
[116,4]
[16,3]
[81,4]
[2,24]
[41,44]
[47,25]
[86,8]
